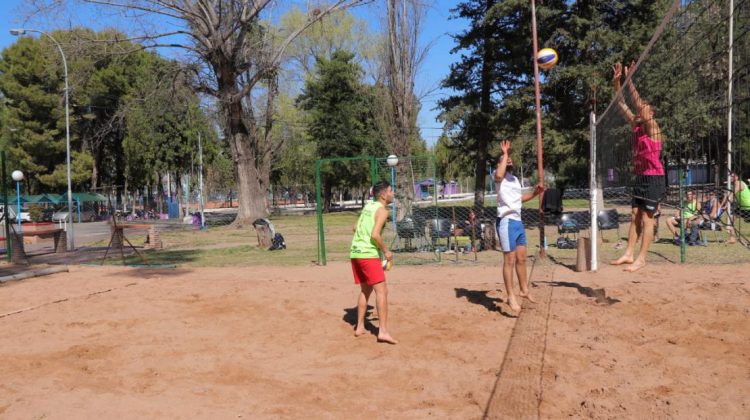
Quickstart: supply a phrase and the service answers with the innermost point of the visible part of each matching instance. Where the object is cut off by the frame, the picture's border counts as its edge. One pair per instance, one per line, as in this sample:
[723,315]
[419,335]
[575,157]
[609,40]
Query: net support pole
[540,160]
[319,212]
[594,205]
[6,221]
[729,94]
[683,245]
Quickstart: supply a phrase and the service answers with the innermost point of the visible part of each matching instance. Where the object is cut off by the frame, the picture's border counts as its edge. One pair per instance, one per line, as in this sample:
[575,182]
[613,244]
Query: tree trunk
[485,107]
[251,194]
[94,177]
[242,134]
[178,193]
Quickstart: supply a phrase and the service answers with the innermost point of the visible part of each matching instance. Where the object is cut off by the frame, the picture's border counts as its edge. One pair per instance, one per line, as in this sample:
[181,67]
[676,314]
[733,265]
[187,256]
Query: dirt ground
[271,342]
[669,341]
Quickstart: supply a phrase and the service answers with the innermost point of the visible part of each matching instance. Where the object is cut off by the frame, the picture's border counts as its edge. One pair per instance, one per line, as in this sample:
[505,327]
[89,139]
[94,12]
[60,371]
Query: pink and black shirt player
[648,181]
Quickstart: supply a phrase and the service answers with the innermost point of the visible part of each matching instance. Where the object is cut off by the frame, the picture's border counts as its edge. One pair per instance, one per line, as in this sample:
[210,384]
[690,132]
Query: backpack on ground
[277,242]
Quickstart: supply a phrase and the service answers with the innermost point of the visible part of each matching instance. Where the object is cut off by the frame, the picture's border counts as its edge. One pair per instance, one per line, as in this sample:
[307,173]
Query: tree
[477,77]
[236,57]
[494,78]
[340,120]
[402,58]
[32,84]
[295,165]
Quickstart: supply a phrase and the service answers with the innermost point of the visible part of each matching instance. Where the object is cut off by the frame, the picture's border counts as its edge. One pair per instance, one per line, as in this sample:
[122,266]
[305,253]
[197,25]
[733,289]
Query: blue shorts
[511,233]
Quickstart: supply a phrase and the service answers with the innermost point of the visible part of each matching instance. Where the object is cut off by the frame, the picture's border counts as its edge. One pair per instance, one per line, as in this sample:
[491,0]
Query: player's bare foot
[625,259]
[514,306]
[386,338]
[527,296]
[637,265]
[360,332]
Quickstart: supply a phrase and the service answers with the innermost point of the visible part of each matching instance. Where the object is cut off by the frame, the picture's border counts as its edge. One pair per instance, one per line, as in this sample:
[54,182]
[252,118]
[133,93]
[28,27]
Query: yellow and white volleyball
[546,58]
[387,264]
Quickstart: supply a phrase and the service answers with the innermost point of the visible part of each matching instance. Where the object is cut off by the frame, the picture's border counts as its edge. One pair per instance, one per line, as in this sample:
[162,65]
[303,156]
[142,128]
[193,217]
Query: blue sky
[437,29]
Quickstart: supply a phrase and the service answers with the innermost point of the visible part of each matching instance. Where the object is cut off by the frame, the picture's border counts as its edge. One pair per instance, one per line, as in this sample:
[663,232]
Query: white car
[87,215]
[25,216]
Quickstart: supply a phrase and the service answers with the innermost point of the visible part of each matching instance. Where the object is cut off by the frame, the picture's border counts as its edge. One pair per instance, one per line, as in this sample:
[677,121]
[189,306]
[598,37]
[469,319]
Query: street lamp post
[18,177]
[392,161]
[71,234]
[200,165]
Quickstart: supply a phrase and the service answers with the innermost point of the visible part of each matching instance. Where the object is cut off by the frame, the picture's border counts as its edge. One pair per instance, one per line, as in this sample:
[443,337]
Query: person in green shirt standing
[365,253]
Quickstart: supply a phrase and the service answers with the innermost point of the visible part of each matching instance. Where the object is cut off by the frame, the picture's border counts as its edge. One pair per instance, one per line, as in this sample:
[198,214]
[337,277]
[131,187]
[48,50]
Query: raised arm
[502,164]
[621,105]
[643,109]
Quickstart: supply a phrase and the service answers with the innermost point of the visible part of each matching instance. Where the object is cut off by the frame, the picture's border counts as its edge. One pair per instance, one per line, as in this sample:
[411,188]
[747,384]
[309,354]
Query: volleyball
[546,58]
[387,264]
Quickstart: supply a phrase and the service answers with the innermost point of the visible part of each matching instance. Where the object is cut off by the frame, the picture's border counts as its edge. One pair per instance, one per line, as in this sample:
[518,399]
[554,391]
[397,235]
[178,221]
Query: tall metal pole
[729,94]
[594,206]
[71,234]
[18,200]
[200,166]
[540,159]
[8,250]
[393,205]
[319,211]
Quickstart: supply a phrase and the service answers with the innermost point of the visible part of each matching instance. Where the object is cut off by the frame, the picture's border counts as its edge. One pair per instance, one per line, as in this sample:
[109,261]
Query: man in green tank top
[691,213]
[739,194]
[365,253]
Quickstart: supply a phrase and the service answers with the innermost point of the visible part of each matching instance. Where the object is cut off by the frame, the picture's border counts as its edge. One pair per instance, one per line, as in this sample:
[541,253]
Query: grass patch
[230,246]
[489,202]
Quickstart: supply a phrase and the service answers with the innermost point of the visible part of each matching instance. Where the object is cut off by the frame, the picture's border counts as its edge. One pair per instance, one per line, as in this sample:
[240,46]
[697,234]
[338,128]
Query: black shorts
[648,191]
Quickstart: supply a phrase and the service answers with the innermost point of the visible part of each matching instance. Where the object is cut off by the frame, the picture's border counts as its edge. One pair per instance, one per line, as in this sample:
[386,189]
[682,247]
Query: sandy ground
[246,343]
[277,342]
[667,342]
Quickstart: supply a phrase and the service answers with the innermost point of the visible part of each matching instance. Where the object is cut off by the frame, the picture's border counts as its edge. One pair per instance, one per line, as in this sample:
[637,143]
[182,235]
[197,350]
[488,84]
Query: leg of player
[627,257]
[364,296]
[523,277]
[509,261]
[647,219]
[381,302]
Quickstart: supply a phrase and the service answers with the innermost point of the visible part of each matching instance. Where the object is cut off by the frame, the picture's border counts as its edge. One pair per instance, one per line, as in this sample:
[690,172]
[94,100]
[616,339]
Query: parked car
[25,216]
[87,215]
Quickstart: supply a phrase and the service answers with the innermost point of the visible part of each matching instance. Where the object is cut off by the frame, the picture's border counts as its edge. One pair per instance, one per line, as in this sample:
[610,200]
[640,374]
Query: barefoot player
[509,226]
[367,268]
[649,186]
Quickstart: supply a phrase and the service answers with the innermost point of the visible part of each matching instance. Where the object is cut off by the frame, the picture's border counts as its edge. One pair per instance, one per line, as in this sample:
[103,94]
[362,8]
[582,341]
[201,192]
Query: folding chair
[412,227]
[440,228]
[607,220]
[568,225]
[552,204]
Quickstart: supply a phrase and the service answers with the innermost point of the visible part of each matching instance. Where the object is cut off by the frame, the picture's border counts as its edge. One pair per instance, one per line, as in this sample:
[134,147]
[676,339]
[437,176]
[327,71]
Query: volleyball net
[676,128]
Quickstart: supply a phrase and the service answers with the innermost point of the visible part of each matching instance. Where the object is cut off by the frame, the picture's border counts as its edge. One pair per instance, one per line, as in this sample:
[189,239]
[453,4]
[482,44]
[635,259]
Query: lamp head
[17,176]
[392,160]
[18,32]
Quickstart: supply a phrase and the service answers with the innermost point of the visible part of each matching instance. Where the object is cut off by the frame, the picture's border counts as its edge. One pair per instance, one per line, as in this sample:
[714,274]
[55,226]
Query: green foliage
[340,119]
[35,212]
[32,88]
[339,31]
[81,164]
[589,37]
[127,117]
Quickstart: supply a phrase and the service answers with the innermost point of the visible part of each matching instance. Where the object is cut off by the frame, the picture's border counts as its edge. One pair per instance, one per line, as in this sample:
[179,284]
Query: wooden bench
[57,234]
[153,240]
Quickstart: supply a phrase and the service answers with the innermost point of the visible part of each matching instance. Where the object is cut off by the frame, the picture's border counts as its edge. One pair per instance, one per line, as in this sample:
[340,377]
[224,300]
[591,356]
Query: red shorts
[368,271]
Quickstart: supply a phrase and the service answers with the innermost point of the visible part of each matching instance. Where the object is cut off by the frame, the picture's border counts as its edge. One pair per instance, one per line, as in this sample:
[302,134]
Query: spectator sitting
[691,213]
[472,226]
[712,211]
[739,200]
